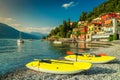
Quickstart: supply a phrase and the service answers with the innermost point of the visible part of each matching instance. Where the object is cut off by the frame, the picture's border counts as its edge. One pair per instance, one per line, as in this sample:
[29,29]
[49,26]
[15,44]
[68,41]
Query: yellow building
[90,32]
[90,29]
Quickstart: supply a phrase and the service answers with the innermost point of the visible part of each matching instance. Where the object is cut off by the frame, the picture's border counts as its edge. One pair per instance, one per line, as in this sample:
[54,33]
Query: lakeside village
[103,28]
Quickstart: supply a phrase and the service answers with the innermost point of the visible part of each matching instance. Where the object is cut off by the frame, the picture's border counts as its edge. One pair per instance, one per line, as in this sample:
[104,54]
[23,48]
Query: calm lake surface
[14,56]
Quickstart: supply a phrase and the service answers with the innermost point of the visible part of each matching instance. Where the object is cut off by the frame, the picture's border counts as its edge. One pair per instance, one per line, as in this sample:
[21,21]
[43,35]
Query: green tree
[78,34]
[83,16]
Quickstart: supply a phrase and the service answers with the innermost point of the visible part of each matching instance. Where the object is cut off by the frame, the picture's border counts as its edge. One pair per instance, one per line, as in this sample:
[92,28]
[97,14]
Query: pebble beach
[108,71]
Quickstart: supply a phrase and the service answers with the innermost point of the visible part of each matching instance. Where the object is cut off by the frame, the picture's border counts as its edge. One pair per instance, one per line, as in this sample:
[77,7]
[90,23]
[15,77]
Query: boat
[58,66]
[20,40]
[92,58]
[57,42]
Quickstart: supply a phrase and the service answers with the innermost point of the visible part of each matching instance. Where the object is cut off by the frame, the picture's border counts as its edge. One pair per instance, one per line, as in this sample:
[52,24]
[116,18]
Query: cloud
[9,19]
[16,26]
[6,20]
[70,4]
[43,30]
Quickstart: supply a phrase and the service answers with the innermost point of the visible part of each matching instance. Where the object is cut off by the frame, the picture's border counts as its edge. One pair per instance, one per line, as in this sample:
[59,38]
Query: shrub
[115,37]
[110,38]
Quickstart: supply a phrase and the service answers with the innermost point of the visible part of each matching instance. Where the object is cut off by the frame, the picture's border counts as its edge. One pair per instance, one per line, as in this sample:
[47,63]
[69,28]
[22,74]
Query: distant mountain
[9,32]
[38,34]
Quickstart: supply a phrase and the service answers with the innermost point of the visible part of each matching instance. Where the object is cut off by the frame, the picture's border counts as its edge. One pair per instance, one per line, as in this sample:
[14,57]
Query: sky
[43,15]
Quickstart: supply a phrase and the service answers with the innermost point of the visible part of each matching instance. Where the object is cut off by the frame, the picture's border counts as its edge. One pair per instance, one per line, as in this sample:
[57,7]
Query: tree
[83,16]
[68,34]
[78,34]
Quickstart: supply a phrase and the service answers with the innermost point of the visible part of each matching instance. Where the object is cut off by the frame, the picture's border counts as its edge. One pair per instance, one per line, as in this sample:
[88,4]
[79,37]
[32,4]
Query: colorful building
[90,32]
[82,30]
[107,25]
[100,28]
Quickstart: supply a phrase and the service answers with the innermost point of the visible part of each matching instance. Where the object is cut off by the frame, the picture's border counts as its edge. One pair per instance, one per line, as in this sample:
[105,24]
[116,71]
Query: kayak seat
[47,61]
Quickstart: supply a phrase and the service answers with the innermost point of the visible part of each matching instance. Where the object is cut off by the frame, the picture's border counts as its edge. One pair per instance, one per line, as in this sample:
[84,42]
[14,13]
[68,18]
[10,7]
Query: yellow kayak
[58,66]
[90,58]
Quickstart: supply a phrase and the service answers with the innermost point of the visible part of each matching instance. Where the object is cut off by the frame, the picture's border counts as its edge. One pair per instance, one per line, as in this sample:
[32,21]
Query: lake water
[14,56]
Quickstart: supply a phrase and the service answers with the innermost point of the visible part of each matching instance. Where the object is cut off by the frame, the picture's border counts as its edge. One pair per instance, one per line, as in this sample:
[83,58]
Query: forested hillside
[106,7]
[63,30]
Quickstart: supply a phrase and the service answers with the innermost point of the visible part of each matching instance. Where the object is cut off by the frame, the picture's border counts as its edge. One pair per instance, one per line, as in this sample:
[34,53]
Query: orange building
[83,31]
[109,16]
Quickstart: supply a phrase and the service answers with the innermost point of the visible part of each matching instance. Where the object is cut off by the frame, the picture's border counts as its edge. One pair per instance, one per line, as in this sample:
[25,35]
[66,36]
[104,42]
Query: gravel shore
[108,71]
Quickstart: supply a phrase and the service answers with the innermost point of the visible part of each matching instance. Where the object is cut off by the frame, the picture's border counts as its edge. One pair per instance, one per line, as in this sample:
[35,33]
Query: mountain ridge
[9,32]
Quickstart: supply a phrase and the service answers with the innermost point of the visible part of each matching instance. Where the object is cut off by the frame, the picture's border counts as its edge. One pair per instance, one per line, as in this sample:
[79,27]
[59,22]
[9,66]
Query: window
[99,28]
[88,37]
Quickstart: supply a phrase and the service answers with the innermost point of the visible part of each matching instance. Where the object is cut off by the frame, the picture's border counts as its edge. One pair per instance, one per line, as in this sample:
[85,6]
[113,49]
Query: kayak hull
[91,59]
[59,67]
[54,72]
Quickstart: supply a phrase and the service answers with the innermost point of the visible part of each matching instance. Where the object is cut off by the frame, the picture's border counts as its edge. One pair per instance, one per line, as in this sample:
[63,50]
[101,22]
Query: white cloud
[44,30]
[70,4]
[9,19]
[17,26]
[6,20]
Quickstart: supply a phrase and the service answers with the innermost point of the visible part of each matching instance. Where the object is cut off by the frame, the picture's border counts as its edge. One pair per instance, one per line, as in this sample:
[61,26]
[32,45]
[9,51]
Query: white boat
[57,42]
[20,40]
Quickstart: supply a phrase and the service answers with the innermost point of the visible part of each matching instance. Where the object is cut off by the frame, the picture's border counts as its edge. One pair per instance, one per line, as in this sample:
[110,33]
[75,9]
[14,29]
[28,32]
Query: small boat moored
[57,42]
[20,40]
[58,66]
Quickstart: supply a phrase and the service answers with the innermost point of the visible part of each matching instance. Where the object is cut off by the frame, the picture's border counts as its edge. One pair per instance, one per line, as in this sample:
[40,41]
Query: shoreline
[108,71]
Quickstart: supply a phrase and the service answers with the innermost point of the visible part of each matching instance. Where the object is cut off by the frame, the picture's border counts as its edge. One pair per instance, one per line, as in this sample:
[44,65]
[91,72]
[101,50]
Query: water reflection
[80,47]
[19,47]
[87,47]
